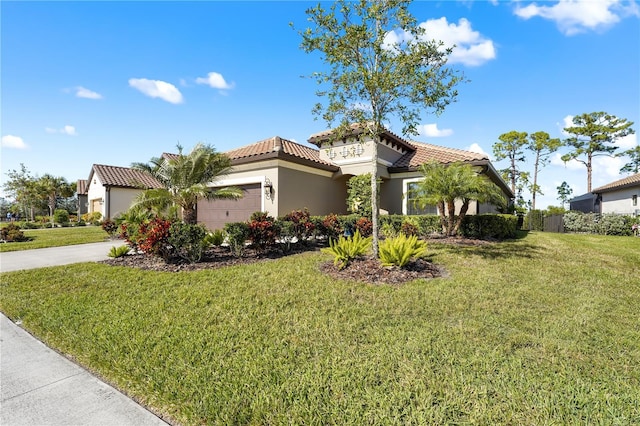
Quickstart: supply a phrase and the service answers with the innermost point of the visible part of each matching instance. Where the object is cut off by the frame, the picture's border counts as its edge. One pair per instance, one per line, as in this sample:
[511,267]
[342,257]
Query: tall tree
[442,185]
[542,146]
[564,193]
[21,186]
[380,63]
[633,166]
[186,178]
[511,146]
[594,135]
[51,188]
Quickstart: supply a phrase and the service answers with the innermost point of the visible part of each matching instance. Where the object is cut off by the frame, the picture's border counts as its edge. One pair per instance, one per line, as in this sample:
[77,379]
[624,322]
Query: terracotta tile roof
[425,152]
[318,138]
[633,180]
[82,186]
[276,147]
[123,177]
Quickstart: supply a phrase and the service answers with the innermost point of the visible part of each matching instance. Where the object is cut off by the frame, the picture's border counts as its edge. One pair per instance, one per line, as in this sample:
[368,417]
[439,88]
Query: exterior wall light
[268,188]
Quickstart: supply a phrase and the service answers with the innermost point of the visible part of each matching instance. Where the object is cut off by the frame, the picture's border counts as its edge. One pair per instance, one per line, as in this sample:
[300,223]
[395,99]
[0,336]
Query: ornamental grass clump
[346,249]
[400,250]
[118,252]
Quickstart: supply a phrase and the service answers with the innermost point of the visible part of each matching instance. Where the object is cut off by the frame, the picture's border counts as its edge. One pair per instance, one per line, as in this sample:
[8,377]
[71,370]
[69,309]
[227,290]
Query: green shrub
[286,233]
[120,251]
[150,237]
[237,235]
[302,225]
[332,226]
[409,227]
[262,231]
[29,225]
[12,234]
[364,226]
[595,223]
[187,241]
[109,226]
[346,249]
[498,226]
[399,251]
[61,216]
[215,238]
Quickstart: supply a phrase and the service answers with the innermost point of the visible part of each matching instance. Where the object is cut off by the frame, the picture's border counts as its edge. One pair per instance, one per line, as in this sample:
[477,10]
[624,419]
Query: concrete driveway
[54,256]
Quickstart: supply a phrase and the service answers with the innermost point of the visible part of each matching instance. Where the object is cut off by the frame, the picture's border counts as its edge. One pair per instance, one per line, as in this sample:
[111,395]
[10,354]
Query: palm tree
[443,184]
[186,179]
[51,187]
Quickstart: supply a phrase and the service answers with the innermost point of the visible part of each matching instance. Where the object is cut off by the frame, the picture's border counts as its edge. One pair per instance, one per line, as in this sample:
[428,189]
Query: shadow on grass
[514,248]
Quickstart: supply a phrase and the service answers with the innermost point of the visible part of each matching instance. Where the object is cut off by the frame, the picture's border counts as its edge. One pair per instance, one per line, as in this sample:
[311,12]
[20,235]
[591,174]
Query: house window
[634,200]
[411,206]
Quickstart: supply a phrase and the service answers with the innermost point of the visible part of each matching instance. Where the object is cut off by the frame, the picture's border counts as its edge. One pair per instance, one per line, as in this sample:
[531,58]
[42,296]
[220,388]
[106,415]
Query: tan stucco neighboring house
[278,176]
[112,189]
[620,196]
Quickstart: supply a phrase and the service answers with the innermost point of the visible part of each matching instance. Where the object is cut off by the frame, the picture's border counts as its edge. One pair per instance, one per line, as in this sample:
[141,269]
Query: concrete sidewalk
[41,387]
[54,256]
[38,386]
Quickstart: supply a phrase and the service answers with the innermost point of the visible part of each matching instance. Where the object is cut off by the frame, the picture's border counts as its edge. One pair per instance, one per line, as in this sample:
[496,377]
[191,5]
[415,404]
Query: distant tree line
[591,135]
[35,195]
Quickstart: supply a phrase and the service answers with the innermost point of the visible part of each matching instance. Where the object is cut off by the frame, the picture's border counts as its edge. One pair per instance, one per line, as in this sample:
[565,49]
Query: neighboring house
[586,203]
[620,197]
[81,191]
[112,189]
[279,176]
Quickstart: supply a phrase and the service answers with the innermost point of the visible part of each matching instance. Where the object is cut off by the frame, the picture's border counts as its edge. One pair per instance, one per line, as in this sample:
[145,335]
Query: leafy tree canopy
[380,63]
[594,134]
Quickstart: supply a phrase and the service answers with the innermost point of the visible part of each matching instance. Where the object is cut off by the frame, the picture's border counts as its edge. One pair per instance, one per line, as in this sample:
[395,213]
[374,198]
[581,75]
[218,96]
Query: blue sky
[120,82]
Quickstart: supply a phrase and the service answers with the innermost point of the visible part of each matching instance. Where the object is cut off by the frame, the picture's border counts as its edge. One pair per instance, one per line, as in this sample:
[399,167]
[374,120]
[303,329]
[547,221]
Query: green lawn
[541,330]
[55,237]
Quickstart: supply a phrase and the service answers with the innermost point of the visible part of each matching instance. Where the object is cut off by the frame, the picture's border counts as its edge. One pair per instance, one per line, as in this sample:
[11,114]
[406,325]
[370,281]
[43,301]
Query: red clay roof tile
[124,177]
[633,180]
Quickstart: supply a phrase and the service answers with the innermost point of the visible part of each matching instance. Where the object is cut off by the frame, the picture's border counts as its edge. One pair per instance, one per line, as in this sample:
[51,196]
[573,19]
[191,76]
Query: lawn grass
[56,237]
[540,330]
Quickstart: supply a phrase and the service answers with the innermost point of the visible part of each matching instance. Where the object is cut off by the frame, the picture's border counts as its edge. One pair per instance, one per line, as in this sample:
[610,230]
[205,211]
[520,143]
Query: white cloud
[471,48]
[10,141]
[627,142]
[478,149]
[215,80]
[82,92]
[157,89]
[566,122]
[577,16]
[432,131]
[556,160]
[66,130]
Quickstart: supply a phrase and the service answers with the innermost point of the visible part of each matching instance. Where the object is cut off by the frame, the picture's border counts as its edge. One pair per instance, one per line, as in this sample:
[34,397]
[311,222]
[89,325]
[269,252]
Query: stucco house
[112,189]
[620,196]
[278,175]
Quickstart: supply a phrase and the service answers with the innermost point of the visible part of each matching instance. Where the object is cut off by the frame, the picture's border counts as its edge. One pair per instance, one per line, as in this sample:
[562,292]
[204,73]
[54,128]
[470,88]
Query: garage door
[215,213]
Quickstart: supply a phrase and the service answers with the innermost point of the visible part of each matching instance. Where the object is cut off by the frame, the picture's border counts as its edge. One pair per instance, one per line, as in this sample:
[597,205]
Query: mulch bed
[366,269]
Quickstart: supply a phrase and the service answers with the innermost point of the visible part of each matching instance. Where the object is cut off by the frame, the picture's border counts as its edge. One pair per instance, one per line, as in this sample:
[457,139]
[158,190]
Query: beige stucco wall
[112,201]
[96,196]
[320,194]
[621,201]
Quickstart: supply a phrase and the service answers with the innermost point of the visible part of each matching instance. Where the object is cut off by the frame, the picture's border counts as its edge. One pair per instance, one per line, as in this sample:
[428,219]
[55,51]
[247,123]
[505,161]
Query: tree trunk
[451,207]
[589,173]
[375,209]
[190,215]
[443,218]
[535,181]
[461,216]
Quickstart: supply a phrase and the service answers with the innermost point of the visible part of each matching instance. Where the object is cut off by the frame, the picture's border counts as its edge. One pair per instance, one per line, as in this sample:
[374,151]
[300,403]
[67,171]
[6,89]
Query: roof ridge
[446,148]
